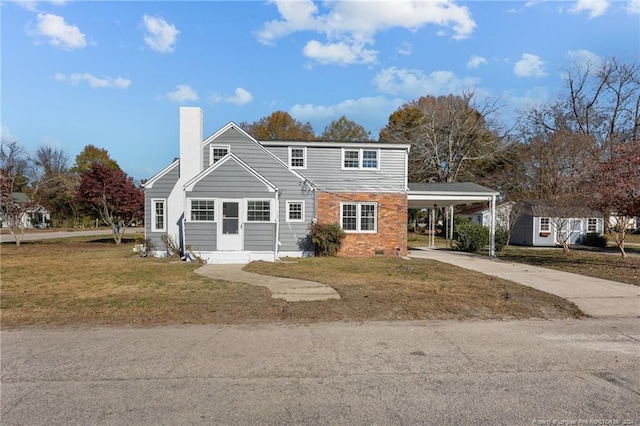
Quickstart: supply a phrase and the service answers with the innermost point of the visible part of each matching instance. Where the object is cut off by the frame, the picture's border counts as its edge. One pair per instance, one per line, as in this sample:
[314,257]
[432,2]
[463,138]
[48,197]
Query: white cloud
[32,5]
[240,97]
[350,26]
[584,58]
[95,82]
[405,49]
[160,35]
[633,6]
[594,7]
[529,66]
[414,83]
[370,112]
[183,93]
[475,61]
[6,135]
[60,33]
[339,53]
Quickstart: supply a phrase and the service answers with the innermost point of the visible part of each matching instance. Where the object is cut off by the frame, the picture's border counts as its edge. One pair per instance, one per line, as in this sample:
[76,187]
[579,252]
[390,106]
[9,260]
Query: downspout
[492,228]
[277,239]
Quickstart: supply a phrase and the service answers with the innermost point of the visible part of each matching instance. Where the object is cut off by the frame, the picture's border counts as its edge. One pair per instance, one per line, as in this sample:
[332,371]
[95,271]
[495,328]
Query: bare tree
[447,134]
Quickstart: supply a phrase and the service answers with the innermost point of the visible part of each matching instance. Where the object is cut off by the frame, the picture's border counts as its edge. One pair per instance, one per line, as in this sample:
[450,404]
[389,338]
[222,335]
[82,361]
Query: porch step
[229,257]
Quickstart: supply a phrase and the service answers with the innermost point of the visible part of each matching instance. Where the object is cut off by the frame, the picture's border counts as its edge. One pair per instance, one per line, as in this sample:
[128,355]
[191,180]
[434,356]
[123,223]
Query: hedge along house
[232,199]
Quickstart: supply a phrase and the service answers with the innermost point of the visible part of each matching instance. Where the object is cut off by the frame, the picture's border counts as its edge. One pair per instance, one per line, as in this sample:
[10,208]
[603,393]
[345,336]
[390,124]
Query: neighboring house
[231,198]
[538,221]
[33,217]
[482,214]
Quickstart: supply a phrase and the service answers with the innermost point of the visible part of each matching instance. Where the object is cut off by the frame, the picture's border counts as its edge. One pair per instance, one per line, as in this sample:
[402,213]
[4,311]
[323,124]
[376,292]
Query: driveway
[404,373]
[594,296]
[36,236]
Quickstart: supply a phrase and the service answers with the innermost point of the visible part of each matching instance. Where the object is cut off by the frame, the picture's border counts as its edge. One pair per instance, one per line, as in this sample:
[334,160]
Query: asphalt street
[402,373]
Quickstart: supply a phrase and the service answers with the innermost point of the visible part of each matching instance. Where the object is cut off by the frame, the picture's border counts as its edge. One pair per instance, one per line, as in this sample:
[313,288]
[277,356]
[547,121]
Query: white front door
[230,226]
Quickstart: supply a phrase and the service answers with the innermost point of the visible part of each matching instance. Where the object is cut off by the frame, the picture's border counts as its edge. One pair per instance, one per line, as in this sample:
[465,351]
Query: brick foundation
[392,223]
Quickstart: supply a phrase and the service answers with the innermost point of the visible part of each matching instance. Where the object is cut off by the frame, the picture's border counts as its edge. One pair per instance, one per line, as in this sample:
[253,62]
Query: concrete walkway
[594,296]
[288,289]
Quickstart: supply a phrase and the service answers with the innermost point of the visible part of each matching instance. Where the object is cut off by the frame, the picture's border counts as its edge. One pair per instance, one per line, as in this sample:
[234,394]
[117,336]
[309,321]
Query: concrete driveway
[404,373]
[36,236]
[595,297]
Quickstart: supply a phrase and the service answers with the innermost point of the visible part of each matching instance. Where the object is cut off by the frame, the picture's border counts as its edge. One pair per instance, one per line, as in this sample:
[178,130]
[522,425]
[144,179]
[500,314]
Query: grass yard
[590,263]
[85,281]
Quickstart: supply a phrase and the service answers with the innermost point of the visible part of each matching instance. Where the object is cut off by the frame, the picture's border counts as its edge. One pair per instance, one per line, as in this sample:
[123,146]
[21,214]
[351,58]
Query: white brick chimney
[191,134]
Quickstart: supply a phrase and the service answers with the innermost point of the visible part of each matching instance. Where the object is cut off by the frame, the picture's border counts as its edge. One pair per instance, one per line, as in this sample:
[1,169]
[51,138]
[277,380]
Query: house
[482,214]
[230,198]
[539,221]
[35,216]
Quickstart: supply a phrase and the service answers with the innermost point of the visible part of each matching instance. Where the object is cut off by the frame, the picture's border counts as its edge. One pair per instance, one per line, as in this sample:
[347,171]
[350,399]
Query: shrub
[593,239]
[471,237]
[327,238]
[502,238]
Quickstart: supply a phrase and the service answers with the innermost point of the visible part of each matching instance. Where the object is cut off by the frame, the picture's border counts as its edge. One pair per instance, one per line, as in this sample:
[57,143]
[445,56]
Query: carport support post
[492,228]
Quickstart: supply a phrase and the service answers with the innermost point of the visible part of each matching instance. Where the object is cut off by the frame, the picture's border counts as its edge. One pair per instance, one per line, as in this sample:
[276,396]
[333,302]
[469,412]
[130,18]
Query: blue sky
[114,73]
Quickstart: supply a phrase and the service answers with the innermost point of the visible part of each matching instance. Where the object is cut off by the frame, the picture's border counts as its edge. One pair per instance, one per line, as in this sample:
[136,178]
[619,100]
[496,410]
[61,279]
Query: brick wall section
[392,222]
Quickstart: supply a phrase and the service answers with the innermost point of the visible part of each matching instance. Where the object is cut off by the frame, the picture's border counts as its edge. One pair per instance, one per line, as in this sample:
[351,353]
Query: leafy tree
[343,129]
[279,126]
[112,195]
[448,135]
[91,155]
[614,190]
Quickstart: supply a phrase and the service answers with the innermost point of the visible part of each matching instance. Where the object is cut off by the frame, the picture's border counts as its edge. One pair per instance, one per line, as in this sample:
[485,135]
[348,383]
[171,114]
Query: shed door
[230,233]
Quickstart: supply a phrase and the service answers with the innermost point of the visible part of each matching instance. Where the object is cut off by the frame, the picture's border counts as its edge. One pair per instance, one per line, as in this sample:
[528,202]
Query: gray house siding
[201,236]
[230,180]
[290,186]
[324,168]
[160,190]
[259,236]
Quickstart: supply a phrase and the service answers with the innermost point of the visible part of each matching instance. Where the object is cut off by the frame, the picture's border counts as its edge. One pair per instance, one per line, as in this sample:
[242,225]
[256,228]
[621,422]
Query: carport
[433,196]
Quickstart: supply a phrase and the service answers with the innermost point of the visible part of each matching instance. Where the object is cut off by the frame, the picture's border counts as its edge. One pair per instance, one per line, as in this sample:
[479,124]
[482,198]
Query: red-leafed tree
[112,195]
[615,190]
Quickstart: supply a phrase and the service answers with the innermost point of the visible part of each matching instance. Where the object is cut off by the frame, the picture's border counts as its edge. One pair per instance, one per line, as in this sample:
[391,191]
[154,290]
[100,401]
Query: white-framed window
[359,217]
[158,215]
[295,211]
[258,210]
[592,224]
[545,225]
[298,157]
[202,210]
[216,152]
[360,158]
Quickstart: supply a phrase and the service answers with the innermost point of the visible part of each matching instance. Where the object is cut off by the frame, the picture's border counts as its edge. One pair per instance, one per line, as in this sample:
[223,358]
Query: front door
[230,226]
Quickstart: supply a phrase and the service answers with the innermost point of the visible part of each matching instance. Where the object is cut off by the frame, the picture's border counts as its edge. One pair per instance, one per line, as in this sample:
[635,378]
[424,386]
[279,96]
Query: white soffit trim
[150,182]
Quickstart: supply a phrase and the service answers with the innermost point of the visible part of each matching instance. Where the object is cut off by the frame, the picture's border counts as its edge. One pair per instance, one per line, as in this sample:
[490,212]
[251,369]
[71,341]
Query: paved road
[35,236]
[444,373]
[594,296]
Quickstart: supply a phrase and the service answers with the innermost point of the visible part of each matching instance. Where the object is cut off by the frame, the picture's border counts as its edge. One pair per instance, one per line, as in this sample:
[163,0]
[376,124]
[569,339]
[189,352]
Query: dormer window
[216,152]
[298,158]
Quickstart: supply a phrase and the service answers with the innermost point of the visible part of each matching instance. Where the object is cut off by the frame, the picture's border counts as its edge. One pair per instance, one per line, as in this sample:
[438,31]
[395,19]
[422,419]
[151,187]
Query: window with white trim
[592,224]
[360,158]
[295,211]
[158,215]
[298,157]
[545,224]
[216,152]
[359,217]
[258,211]
[202,210]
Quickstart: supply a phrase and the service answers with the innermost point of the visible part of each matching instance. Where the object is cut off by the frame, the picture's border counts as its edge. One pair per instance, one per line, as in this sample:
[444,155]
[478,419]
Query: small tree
[112,195]
[614,186]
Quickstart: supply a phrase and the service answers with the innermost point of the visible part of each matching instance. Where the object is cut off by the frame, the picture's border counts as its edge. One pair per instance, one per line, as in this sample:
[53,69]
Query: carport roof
[426,195]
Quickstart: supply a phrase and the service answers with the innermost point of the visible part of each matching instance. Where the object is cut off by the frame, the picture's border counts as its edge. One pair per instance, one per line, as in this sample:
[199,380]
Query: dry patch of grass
[584,262]
[85,281]
[397,289]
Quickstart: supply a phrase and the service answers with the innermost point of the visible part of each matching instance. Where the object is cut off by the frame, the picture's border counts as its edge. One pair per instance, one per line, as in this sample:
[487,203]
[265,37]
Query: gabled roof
[150,182]
[229,157]
[548,208]
[232,125]
[339,144]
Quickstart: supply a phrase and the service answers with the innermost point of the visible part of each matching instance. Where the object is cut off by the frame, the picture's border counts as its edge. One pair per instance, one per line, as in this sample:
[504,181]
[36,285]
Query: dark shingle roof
[450,187]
